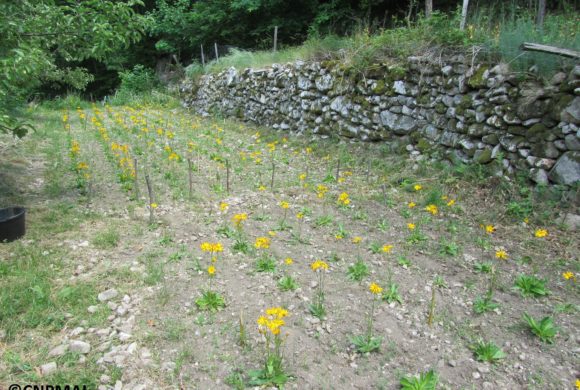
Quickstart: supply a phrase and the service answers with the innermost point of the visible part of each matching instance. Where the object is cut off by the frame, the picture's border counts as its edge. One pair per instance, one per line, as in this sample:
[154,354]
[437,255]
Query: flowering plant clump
[386,248]
[501,254]
[238,219]
[432,209]
[343,199]
[211,300]
[212,247]
[367,342]
[285,206]
[490,229]
[569,275]
[321,191]
[269,326]
[317,308]
[262,243]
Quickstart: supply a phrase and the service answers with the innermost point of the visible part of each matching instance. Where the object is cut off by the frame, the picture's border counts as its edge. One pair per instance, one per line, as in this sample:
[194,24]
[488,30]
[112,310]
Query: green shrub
[137,80]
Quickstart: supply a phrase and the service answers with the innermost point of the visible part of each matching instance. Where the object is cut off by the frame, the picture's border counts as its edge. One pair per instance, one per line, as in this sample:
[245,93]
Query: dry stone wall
[470,112]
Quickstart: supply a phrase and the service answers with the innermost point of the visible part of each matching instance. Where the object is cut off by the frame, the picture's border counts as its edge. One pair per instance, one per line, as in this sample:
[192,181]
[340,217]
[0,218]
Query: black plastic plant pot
[12,223]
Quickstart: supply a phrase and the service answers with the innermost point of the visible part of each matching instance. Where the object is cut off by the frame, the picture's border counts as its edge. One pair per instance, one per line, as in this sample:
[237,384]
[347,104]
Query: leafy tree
[40,39]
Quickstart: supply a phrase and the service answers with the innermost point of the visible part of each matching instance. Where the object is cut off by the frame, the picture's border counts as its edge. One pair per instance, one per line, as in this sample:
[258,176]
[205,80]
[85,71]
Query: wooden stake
[275,38]
[273,171]
[338,168]
[228,177]
[202,57]
[464,15]
[135,179]
[431,307]
[190,174]
[216,51]
[151,201]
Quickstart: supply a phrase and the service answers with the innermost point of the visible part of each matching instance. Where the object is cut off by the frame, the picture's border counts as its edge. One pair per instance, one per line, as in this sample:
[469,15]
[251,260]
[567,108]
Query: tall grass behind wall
[504,26]
[496,29]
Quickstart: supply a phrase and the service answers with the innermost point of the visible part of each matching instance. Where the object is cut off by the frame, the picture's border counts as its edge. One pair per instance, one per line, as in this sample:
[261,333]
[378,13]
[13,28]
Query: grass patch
[106,239]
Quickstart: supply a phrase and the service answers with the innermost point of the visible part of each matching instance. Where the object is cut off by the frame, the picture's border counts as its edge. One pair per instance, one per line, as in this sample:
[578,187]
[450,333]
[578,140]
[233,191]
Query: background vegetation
[49,48]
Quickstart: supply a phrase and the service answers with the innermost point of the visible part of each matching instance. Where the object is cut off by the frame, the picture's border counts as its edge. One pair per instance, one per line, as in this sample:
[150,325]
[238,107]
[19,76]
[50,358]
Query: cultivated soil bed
[89,233]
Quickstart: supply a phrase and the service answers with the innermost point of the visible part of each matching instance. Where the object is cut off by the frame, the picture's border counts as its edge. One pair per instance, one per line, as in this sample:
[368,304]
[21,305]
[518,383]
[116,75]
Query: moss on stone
[440,108]
[397,72]
[476,81]
[423,98]
[538,132]
[380,88]
[423,145]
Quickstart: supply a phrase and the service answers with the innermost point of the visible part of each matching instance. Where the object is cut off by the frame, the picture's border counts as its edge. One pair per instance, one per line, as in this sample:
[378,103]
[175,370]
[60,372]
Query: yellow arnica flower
[288,261]
[375,288]
[153,205]
[338,236]
[489,229]
[432,209]
[302,176]
[356,240]
[277,312]
[211,247]
[82,165]
[262,243]
[541,233]
[262,188]
[451,202]
[411,226]
[284,205]
[272,233]
[262,321]
[343,199]
[417,187]
[300,215]
[223,206]
[501,254]
[569,275]
[211,270]
[275,325]
[341,179]
[319,264]
[239,218]
[411,205]
[272,321]
[578,384]
[387,248]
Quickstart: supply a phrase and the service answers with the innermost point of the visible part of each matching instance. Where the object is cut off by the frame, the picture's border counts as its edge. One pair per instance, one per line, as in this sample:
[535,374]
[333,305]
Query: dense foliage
[48,47]
[42,39]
